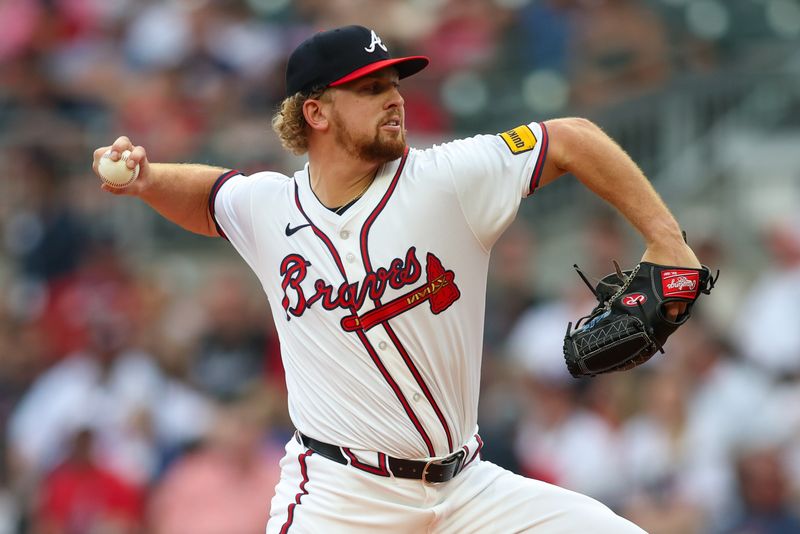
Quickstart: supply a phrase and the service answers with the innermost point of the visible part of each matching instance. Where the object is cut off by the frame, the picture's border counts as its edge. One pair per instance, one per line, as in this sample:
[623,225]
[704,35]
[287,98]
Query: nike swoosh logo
[290,231]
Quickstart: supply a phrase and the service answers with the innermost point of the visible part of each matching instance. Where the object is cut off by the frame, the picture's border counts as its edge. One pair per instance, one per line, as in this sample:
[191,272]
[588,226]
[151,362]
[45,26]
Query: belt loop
[348,456]
[387,465]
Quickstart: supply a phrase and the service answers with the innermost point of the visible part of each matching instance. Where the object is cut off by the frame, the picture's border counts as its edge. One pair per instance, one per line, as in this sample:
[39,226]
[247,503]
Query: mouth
[393,125]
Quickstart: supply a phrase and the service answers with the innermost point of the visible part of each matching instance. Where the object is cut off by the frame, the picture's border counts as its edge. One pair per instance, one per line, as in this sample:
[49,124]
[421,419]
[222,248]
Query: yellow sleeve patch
[519,140]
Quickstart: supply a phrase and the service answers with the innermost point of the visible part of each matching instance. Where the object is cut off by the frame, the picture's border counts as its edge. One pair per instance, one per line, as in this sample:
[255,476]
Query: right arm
[178,191]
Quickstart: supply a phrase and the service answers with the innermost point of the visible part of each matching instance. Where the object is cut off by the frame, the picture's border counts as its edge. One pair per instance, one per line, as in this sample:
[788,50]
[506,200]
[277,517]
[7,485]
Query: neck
[337,181]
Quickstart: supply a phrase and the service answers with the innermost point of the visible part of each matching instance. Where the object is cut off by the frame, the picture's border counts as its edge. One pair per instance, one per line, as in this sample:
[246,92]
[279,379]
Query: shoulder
[263,178]
[523,139]
[259,183]
[456,146]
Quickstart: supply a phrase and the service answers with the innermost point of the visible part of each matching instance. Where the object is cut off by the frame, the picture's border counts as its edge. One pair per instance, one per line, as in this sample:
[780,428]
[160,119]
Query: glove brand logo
[680,283]
[634,299]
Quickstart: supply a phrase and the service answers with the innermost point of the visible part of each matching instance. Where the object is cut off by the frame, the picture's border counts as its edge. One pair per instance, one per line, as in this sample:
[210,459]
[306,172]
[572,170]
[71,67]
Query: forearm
[598,162]
[180,193]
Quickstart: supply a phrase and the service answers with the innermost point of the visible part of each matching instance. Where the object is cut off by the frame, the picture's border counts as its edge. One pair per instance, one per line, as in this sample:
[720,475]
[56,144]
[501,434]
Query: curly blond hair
[290,124]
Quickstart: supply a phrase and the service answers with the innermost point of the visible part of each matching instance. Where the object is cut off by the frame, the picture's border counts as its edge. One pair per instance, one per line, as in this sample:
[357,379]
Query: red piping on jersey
[394,338]
[382,471]
[362,336]
[304,471]
[537,170]
[212,197]
[420,381]
[477,451]
[378,209]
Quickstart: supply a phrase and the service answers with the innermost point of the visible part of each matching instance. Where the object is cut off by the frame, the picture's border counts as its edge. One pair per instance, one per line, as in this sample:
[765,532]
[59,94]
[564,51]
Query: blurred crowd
[141,388]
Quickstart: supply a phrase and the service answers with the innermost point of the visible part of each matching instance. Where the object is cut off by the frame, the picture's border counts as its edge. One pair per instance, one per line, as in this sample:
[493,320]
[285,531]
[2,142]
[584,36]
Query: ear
[316,112]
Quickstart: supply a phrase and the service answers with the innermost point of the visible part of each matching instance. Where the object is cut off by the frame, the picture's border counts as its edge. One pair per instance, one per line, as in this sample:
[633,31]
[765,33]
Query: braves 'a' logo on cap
[375,40]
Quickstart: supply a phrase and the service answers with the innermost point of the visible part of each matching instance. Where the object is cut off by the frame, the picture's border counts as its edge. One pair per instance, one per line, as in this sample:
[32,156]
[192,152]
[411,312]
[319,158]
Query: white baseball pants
[316,495]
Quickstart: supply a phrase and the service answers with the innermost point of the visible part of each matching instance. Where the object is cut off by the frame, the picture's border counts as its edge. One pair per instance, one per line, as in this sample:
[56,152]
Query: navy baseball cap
[337,56]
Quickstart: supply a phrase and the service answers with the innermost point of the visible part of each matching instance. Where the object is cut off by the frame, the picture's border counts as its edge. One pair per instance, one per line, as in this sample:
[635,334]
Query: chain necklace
[340,209]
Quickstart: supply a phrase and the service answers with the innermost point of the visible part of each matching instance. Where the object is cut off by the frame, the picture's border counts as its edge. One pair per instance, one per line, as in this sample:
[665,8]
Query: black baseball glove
[630,324]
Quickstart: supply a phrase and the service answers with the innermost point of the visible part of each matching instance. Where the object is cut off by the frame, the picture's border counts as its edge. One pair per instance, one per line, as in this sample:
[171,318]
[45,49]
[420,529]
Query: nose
[395,99]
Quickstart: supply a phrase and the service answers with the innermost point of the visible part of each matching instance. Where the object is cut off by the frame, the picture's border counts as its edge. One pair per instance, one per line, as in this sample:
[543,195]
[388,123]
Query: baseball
[117,173]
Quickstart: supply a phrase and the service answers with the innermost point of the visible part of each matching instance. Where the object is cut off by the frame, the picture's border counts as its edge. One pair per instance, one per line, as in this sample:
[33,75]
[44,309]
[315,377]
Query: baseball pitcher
[374,259]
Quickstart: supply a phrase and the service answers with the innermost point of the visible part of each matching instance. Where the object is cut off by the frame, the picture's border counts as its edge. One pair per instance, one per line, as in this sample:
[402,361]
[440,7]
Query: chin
[384,150]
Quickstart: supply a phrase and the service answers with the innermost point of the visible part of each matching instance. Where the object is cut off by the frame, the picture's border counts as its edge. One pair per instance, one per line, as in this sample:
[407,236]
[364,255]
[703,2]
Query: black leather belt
[434,471]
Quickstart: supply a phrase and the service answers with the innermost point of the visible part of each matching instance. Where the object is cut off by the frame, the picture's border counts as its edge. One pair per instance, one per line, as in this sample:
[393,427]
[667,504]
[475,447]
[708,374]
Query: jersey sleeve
[230,204]
[492,173]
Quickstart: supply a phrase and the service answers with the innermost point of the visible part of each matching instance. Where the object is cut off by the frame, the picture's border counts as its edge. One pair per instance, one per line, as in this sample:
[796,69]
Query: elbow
[570,138]
[210,229]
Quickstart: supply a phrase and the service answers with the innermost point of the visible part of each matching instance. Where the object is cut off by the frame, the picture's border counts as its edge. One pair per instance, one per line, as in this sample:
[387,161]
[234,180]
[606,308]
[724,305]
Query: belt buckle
[457,458]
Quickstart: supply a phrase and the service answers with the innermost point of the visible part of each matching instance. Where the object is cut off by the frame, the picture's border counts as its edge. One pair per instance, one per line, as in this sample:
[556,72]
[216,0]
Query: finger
[675,309]
[121,144]
[100,151]
[137,157]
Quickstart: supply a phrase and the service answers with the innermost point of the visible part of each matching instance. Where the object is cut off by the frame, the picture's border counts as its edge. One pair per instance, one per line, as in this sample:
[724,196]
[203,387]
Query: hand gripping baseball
[631,322]
[137,157]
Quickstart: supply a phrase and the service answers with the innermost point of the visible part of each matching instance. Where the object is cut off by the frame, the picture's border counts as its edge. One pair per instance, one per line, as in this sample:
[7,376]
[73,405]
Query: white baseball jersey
[380,310]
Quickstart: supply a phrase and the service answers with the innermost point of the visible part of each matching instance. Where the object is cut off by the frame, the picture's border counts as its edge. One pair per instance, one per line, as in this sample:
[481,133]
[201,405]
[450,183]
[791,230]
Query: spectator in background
[764,490]
[81,496]
[767,326]
[109,387]
[222,486]
[100,290]
[120,393]
[466,36]
[46,236]
[510,293]
[21,356]
[236,350]
[536,339]
[699,405]
[511,290]
[556,429]
[618,47]
[720,311]
[675,470]
[545,28]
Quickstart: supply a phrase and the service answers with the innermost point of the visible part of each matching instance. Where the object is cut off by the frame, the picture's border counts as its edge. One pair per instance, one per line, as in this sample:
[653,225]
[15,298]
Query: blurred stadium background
[140,382]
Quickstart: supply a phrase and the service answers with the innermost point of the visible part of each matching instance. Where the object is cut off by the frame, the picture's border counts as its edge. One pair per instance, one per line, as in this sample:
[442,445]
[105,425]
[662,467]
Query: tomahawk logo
[375,41]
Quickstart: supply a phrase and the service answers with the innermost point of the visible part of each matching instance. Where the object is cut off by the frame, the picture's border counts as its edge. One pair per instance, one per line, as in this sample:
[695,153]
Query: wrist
[664,234]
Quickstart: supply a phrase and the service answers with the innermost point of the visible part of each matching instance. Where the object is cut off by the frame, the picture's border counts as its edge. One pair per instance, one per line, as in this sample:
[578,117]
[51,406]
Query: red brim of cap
[406,66]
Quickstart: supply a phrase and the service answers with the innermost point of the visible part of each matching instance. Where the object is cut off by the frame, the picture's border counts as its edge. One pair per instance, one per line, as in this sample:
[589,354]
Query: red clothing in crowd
[83,498]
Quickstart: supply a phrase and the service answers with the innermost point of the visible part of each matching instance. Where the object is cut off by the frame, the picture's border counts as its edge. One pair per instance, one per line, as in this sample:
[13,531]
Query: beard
[380,148]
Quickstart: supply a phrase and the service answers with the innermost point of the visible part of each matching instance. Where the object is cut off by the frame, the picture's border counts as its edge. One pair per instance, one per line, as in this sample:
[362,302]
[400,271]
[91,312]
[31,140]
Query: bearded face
[373,142]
